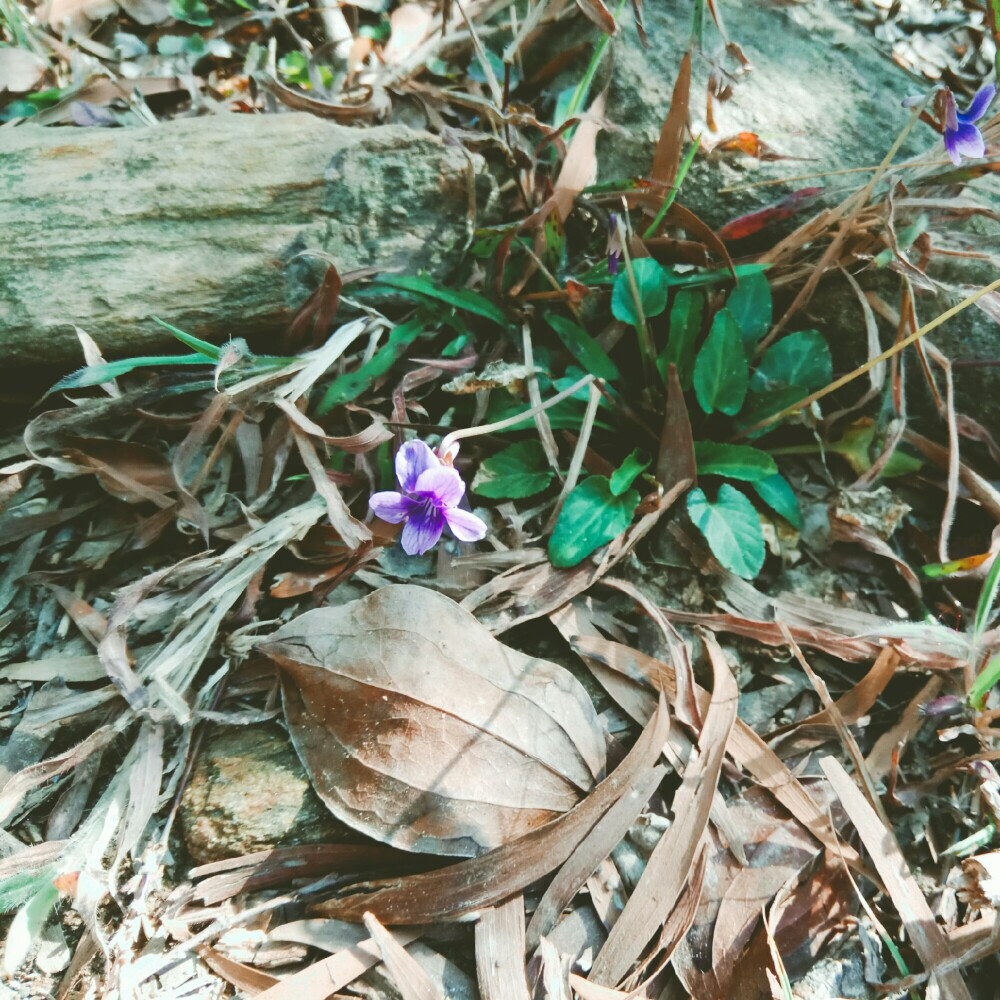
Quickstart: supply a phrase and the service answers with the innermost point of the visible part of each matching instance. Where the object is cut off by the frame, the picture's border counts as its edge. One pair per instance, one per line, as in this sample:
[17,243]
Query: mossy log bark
[218,225]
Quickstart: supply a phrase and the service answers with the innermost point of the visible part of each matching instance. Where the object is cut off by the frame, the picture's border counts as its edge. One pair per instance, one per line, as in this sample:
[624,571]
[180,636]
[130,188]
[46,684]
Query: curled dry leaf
[599,14]
[20,70]
[420,729]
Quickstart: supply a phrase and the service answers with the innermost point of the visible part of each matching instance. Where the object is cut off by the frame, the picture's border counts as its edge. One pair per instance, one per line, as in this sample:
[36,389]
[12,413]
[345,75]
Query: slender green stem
[647,350]
[672,193]
[583,87]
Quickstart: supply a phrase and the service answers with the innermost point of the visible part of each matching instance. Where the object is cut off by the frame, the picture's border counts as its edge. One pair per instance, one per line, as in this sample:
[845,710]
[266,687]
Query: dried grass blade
[660,886]
[350,529]
[500,949]
[928,938]
[371,437]
[451,893]
[404,970]
[144,788]
[18,785]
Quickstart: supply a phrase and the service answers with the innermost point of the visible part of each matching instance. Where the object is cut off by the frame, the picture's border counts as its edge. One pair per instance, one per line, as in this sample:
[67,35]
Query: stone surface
[249,793]
[820,89]
[201,221]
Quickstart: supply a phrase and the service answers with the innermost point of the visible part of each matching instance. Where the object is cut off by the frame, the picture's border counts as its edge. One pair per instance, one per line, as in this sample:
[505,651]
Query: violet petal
[979,104]
[422,531]
[443,484]
[965,141]
[390,506]
[465,526]
[411,460]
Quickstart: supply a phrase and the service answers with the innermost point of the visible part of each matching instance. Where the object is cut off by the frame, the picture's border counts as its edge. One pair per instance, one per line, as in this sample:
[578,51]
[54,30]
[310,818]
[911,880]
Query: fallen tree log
[204,222]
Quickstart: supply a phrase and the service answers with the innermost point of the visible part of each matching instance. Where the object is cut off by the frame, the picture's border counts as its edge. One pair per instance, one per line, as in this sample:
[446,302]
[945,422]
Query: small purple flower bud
[429,501]
[614,244]
[947,704]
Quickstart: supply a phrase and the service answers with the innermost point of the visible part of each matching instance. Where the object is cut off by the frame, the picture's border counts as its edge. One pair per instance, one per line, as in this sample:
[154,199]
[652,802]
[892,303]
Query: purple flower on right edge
[961,137]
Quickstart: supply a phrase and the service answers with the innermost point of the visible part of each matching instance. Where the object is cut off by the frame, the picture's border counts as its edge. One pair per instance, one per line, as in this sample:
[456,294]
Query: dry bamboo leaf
[673,858]
[745,746]
[710,958]
[926,935]
[594,848]
[856,702]
[452,893]
[879,759]
[500,951]
[420,729]
[676,459]
[406,972]
[244,977]
[322,980]
[676,926]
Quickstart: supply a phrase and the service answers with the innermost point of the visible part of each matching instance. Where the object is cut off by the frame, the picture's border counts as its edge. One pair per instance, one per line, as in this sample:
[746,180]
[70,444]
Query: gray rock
[249,793]
[202,221]
[820,89]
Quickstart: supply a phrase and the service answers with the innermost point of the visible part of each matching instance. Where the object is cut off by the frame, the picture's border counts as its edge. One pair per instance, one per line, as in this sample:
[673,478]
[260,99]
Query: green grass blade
[195,343]
[99,374]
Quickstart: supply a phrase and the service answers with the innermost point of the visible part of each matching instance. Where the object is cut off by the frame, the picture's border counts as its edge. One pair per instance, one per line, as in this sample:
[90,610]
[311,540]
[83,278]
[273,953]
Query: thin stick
[576,463]
[535,398]
[445,447]
[845,213]
[833,173]
[872,362]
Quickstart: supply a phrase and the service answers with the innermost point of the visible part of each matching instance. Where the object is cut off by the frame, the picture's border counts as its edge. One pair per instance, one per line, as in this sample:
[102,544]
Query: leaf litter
[561,709]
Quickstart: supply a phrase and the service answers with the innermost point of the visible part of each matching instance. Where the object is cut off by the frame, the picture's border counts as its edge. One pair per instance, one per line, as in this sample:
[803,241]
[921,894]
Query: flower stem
[499,425]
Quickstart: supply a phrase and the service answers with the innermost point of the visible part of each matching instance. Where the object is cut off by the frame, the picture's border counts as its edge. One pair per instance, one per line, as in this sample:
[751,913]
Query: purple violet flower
[431,493]
[961,137]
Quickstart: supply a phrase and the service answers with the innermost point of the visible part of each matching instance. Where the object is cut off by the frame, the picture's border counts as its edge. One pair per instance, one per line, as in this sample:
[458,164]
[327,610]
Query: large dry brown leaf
[672,860]
[453,893]
[420,729]
[927,937]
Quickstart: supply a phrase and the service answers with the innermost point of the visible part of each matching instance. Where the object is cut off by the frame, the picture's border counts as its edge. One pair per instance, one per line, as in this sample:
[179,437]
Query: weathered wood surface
[202,222]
